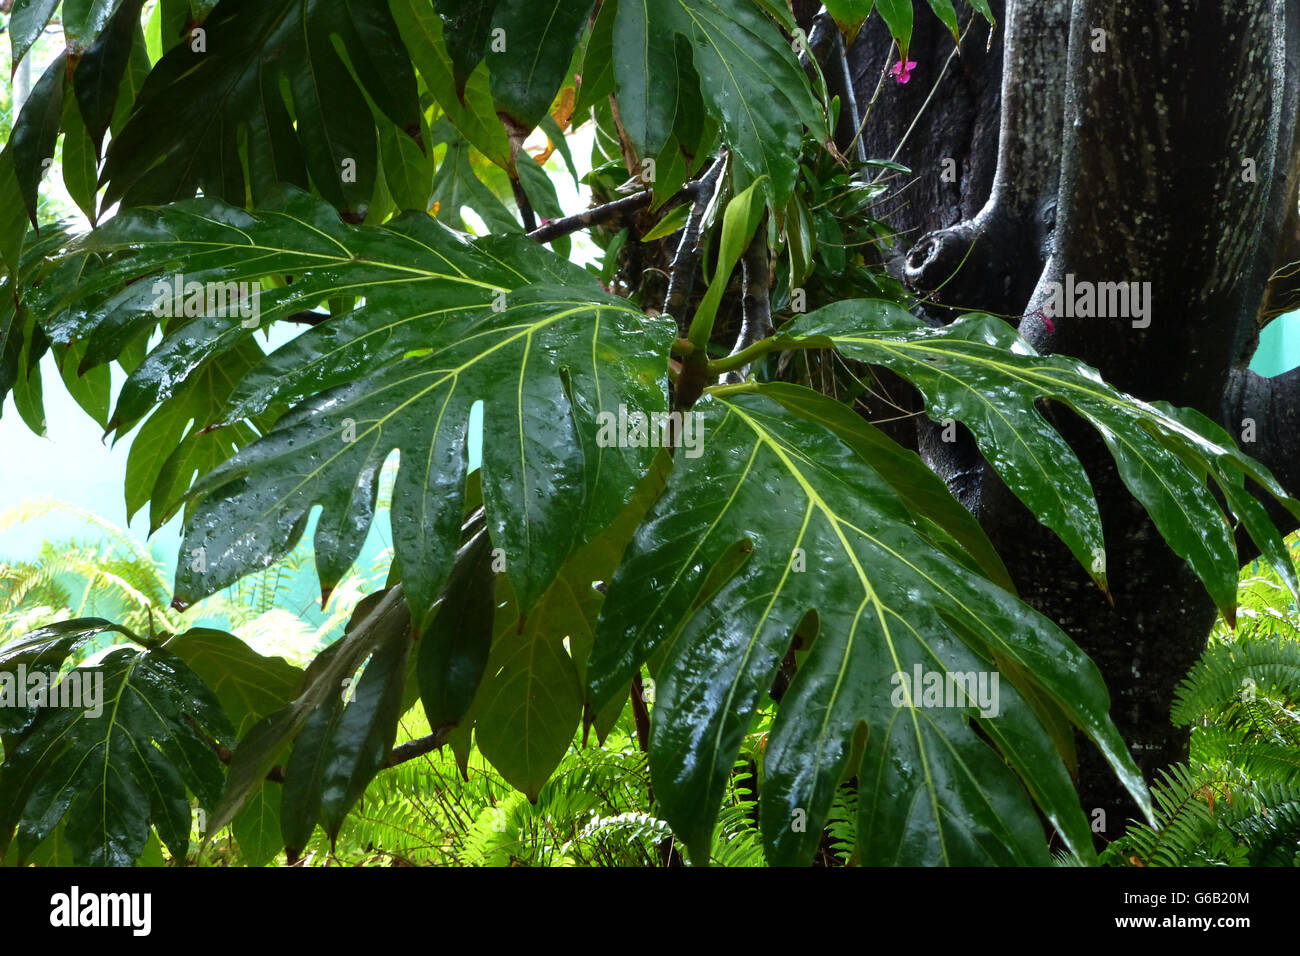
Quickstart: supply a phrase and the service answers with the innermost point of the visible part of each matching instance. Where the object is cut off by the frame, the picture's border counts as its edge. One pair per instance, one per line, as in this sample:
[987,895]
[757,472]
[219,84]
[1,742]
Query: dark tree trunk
[1117,163]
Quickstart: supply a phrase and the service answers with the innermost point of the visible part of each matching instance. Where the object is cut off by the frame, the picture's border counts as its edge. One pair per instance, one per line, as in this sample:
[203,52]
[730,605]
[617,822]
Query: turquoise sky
[71,464]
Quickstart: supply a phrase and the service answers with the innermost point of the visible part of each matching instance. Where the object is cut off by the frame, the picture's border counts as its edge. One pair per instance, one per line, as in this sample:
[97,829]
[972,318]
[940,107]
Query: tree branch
[595,216]
[526,214]
[398,755]
[419,747]
[756,312]
[681,282]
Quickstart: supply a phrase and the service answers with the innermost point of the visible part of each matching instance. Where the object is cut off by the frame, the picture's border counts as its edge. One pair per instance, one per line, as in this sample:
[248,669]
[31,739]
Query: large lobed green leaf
[111,775]
[780,517]
[526,706]
[249,685]
[529,65]
[980,372]
[445,323]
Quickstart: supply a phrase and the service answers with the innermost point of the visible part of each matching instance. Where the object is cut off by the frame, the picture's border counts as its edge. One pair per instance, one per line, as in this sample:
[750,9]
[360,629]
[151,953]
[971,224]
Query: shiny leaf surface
[724,570]
[978,371]
[114,768]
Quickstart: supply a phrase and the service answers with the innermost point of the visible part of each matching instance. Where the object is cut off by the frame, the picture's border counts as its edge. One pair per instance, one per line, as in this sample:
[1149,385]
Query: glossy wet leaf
[378,619]
[779,517]
[35,132]
[44,649]
[897,15]
[26,23]
[90,389]
[673,222]
[84,19]
[527,709]
[113,774]
[466,101]
[978,371]
[345,741]
[408,170]
[749,77]
[943,9]
[354,744]
[249,685]
[446,323]
[456,185]
[539,37]
[924,493]
[185,131]
[597,70]
[849,15]
[80,165]
[13,214]
[257,827]
[983,9]
[19,329]
[97,80]
[466,26]
[173,446]
[532,698]
[453,652]
[644,56]
[738,225]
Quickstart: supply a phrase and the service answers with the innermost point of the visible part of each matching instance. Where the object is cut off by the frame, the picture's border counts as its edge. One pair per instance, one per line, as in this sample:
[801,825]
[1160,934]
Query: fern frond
[1227,674]
[1183,800]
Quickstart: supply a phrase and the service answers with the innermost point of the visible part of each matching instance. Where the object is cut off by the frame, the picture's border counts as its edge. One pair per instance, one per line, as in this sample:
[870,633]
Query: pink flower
[902,70]
[1047,319]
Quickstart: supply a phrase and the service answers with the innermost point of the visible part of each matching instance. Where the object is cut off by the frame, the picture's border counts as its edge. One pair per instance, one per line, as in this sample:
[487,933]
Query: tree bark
[986,260]
[1158,116]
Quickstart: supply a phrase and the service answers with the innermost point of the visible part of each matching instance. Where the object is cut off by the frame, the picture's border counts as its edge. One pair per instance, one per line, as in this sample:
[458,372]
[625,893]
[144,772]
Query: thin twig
[525,207]
[850,97]
[418,747]
[306,318]
[956,50]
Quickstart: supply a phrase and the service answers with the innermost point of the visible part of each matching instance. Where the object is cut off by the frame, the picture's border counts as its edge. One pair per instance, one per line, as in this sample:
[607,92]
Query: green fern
[1237,800]
[113,575]
[843,825]
[1229,679]
[596,810]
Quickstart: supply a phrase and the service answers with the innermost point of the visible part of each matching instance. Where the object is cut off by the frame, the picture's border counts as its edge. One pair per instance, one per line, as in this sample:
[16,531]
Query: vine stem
[747,355]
